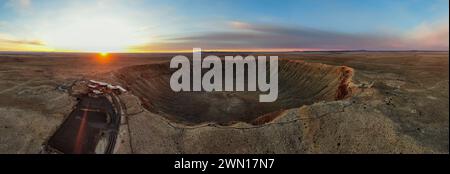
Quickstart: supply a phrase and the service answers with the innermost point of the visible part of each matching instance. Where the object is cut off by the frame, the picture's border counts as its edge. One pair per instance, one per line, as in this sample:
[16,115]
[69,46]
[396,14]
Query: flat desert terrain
[329,102]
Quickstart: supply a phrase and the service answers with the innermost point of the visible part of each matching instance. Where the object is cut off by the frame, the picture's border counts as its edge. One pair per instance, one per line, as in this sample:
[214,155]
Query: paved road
[88,122]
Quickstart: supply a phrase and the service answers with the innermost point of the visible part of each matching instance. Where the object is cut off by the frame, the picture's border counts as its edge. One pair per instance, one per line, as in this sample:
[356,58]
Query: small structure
[98,87]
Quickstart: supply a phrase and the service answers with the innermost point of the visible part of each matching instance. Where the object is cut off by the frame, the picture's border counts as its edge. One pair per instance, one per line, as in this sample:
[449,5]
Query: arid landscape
[329,102]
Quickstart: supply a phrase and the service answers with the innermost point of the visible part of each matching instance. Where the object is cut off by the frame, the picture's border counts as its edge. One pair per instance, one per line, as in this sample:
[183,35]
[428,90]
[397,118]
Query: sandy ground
[402,108]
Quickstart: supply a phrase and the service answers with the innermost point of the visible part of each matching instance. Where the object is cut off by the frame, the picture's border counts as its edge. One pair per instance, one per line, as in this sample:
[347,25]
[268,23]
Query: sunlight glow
[103,54]
[103,57]
[93,34]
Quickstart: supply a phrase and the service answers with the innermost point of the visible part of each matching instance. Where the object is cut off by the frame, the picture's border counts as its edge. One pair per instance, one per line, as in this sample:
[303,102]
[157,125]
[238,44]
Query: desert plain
[329,102]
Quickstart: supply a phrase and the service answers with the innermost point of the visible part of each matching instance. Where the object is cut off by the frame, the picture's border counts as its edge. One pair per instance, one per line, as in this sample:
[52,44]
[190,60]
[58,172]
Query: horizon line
[223,51]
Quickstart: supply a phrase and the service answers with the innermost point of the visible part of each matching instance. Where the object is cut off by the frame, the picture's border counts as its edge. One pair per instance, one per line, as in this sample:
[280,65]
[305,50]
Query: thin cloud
[259,36]
[20,5]
[277,37]
[11,43]
[26,42]
[430,35]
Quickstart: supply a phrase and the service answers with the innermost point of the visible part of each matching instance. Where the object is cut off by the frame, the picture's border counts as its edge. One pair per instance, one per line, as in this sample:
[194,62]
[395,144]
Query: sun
[104,54]
[103,57]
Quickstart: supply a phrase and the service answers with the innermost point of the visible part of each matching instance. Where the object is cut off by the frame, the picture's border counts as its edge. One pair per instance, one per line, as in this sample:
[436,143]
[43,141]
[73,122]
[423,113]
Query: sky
[223,25]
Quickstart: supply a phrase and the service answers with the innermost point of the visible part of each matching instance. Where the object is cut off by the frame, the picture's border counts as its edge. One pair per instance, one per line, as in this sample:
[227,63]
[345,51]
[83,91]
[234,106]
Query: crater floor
[300,83]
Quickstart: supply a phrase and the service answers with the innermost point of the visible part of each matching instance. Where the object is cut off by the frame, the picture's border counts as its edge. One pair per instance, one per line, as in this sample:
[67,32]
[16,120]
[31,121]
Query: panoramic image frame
[225,77]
